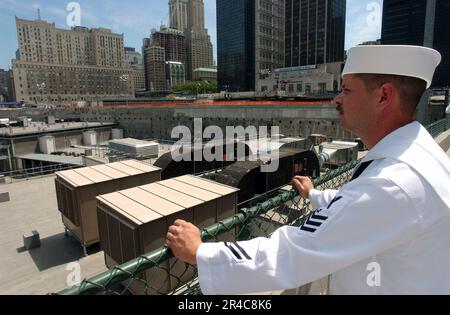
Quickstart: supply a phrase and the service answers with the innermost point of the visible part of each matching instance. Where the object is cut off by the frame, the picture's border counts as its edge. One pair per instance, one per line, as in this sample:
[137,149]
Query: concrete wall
[158,122]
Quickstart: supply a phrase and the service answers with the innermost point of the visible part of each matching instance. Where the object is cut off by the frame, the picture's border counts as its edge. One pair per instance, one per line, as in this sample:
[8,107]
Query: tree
[196,87]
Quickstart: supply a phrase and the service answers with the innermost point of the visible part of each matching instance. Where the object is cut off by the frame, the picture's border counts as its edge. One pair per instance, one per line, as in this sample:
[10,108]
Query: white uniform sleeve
[361,221]
[321,199]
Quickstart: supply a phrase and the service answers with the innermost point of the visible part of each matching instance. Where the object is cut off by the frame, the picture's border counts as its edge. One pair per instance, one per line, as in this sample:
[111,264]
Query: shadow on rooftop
[58,250]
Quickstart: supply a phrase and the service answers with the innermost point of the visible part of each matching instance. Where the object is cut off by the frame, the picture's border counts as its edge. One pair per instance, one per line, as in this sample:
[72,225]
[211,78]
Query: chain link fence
[160,273]
[439,127]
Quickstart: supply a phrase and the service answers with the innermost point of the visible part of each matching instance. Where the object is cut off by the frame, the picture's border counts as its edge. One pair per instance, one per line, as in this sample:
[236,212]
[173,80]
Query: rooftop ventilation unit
[77,189]
[134,222]
[90,138]
[47,144]
[117,134]
[137,149]
[338,153]
[249,177]
[264,145]
[184,161]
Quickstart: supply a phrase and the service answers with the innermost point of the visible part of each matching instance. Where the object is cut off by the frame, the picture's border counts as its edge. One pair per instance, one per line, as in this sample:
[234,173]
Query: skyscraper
[236,45]
[420,22]
[155,68]
[441,42]
[250,41]
[315,32]
[188,16]
[164,72]
[178,10]
[172,40]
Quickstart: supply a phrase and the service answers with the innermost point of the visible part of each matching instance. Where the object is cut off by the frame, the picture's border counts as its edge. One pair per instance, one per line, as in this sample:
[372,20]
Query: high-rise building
[4,82]
[133,57]
[136,62]
[442,42]
[269,37]
[178,10]
[65,66]
[172,40]
[155,68]
[196,16]
[252,45]
[163,73]
[188,16]
[199,51]
[423,23]
[236,45]
[315,32]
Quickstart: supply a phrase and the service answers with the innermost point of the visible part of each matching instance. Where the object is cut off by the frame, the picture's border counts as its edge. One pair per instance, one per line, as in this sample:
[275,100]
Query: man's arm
[293,256]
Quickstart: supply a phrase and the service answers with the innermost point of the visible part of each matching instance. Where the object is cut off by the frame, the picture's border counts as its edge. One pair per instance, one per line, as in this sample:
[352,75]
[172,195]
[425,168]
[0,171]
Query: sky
[136,18]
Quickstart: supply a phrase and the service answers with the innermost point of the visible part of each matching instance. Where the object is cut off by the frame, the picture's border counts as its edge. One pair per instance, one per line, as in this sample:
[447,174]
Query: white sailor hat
[411,61]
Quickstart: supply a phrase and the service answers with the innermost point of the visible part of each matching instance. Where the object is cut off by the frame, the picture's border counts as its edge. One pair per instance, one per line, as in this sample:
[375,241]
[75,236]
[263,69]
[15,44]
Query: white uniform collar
[413,145]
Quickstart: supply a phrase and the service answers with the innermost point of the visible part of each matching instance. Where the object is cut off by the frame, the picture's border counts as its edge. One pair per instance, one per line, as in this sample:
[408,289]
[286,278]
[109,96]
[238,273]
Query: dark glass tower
[403,22]
[315,32]
[236,45]
[442,42]
[423,23]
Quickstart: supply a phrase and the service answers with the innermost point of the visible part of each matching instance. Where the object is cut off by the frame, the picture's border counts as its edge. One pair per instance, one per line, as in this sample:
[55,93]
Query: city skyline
[135,19]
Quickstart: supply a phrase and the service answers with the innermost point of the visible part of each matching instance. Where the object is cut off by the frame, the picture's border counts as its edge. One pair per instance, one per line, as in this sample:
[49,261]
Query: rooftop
[212,70]
[42,127]
[33,206]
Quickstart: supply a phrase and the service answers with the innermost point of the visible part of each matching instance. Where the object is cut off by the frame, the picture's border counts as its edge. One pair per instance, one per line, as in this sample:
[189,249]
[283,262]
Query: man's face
[355,105]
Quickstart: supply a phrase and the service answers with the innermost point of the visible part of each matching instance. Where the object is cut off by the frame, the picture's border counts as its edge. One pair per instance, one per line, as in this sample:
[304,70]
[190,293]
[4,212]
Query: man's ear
[386,94]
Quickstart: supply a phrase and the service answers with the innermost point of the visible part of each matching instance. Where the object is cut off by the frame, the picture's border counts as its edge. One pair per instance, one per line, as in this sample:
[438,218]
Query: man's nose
[338,99]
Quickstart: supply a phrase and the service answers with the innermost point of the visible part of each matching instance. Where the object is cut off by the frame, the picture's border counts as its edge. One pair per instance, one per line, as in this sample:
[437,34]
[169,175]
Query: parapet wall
[158,122]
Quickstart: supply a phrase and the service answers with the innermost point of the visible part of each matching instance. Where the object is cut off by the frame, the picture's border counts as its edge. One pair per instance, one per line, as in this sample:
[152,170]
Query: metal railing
[35,172]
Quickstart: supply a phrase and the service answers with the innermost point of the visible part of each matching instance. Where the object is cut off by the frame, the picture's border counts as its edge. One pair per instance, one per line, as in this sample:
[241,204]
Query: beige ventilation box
[77,189]
[135,221]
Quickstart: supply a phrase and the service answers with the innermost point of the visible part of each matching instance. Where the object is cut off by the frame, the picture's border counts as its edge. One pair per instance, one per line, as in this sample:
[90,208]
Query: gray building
[133,57]
[65,66]
[135,61]
[309,80]
[205,74]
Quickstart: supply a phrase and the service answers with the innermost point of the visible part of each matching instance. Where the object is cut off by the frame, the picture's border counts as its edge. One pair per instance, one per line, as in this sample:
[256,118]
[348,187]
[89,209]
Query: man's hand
[304,185]
[184,239]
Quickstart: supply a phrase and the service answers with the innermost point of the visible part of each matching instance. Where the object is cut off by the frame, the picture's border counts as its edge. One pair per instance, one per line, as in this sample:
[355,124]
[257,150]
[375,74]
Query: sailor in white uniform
[387,231]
